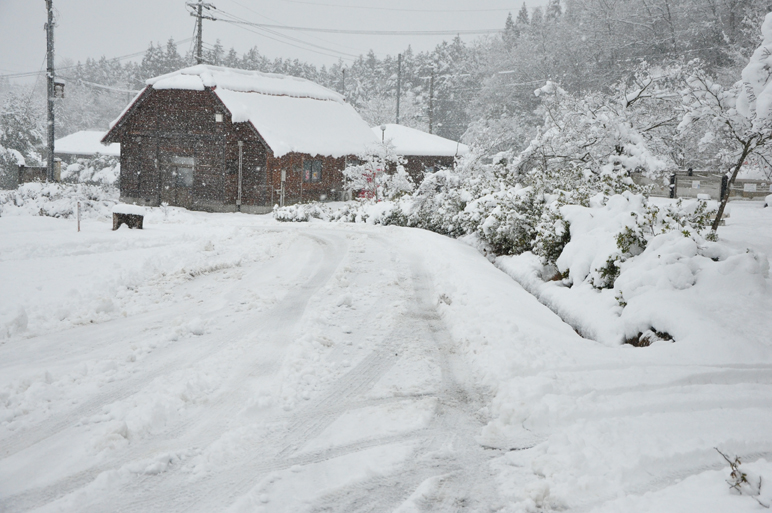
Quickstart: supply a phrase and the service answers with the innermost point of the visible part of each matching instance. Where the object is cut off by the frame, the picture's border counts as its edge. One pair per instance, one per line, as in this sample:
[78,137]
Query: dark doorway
[177,181]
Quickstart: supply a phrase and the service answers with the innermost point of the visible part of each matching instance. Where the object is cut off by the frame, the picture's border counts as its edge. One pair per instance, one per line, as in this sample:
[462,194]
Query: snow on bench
[130,215]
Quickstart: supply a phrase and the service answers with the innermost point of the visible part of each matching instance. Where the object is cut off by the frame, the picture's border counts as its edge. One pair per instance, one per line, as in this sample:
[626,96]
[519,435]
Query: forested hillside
[480,91]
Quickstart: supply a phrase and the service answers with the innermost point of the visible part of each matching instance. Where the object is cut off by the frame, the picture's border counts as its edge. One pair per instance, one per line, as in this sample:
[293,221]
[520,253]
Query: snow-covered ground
[226,362]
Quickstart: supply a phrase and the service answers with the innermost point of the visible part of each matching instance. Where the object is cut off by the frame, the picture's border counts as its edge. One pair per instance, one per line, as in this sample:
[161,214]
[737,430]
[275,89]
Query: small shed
[220,139]
[423,152]
[84,144]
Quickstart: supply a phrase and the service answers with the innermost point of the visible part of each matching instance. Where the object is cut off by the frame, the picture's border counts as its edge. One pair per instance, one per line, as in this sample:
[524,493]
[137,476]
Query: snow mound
[58,200]
[123,208]
[620,282]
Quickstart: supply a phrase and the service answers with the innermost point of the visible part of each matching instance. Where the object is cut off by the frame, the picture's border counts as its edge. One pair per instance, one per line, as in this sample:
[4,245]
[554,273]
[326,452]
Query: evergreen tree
[511,32]
[171,59]
[21,126]
[522,16]
[537,16]
[153,62]
[554,11]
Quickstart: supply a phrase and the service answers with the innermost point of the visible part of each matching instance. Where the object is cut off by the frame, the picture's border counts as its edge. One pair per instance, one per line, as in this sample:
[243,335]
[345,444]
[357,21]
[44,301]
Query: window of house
[183,170]
[312,171]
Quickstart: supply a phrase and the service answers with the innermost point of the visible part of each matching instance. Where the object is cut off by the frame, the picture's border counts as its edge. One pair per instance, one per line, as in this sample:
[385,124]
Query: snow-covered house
[423,152]
[84,144]
[221,139]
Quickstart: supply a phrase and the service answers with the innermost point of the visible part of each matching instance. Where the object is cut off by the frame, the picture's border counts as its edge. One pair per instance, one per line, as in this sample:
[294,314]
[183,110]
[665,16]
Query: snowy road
[321,379]
[216,362]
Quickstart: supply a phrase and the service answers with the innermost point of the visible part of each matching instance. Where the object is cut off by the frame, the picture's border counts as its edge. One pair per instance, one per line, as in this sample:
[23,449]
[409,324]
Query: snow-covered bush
[58,200]
[609,232]
[100,169]
[379,174]
[439,200]
[598,132]
[21,128]
[301,212]
[9,162]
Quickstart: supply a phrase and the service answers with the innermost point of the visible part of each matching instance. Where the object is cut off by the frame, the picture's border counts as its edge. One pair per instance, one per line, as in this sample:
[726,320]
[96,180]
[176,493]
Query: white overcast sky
[113,28]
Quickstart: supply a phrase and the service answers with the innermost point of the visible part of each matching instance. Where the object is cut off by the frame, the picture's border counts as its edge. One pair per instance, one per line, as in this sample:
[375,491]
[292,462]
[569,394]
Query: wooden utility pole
[399,82]
[199,33]
[50,90]
[198,13]
[431,101]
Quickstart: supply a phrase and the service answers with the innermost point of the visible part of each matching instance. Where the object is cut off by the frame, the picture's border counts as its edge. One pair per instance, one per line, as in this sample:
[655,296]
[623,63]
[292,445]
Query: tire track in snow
[449,449]
[291,309]
[446,447]
[157,364]
[309,421]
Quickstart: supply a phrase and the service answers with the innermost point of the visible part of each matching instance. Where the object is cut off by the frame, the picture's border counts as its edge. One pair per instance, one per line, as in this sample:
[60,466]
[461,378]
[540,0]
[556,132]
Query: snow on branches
[596,132]
[379,174]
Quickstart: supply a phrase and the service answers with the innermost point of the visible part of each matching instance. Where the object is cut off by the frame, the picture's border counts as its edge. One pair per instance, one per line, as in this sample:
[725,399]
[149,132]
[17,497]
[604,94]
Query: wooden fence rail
[684,185]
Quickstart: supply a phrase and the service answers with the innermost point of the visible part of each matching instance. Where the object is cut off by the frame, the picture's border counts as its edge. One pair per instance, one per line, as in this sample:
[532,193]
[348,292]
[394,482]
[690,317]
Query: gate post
[724,186]
[672,185]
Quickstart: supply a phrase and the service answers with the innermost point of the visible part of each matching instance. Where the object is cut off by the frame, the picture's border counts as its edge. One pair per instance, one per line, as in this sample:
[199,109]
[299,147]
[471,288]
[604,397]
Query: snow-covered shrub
[745,481]
[596,132]
[438,202]
[553,232]
[609,232]
[301,212]
[58,200]
[504,220]
[100,169]
[379,174]
[9,162]
[21,129]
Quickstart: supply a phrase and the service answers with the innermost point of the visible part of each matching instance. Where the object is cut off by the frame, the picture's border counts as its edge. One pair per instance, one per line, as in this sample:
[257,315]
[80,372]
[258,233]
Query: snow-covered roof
[86,142]
[291,114]
[412,142]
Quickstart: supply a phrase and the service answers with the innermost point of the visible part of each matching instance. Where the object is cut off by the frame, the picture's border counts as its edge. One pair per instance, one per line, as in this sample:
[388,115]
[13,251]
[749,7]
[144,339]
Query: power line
[102,86]
[367,32]
[120,58]
[240,22]
[296,46]
[503,9]
[277,21]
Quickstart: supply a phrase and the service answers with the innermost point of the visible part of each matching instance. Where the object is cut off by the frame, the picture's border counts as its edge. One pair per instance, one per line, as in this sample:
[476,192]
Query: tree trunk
[746,151]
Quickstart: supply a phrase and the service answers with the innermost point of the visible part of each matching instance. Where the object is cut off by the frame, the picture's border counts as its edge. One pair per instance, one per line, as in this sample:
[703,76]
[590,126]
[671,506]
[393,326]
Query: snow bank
[678,284]
[612,427]
[58,200]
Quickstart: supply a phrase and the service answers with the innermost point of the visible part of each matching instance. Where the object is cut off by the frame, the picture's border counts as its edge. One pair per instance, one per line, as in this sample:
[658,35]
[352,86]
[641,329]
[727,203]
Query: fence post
[672,185]
[724,186]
